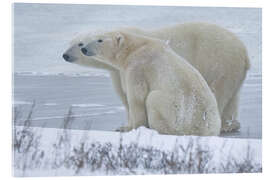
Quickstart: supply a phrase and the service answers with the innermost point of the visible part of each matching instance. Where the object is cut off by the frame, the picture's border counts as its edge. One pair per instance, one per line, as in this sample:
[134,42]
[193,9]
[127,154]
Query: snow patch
[22,102]
[70,74]
[87,105]
[50,104]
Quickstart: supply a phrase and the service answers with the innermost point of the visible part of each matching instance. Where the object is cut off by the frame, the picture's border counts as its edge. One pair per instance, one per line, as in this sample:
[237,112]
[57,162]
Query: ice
[87,105]
[50,104]
[21,103]
[95,73]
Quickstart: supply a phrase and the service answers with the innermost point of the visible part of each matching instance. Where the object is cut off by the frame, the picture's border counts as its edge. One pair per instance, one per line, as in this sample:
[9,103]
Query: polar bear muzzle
[69,54]
[88,50]
[68,57]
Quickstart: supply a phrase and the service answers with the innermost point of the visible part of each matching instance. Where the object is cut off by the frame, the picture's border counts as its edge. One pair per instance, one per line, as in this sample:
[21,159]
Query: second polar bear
[216,53]
[164,92]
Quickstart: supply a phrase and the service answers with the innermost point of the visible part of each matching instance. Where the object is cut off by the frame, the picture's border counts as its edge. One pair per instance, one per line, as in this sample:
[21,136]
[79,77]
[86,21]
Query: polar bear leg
[156,112]
[162,117]
[229,115]
[116,81]
[117,84]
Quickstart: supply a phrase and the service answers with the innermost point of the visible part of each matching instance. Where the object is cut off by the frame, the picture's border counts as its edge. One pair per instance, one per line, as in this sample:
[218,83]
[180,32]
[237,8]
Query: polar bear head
[113,48]
[74,55]
[105,48]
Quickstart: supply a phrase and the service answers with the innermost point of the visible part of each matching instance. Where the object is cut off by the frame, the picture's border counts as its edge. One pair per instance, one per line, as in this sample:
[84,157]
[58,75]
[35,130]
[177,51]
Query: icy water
[42,33]
[96,106]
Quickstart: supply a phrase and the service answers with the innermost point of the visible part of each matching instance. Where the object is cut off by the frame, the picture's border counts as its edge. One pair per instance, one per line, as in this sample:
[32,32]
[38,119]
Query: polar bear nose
[84,51]
[66,57]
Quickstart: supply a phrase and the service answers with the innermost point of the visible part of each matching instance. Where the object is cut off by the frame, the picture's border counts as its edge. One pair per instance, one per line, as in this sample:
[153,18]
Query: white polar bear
[216,53]
[164,92]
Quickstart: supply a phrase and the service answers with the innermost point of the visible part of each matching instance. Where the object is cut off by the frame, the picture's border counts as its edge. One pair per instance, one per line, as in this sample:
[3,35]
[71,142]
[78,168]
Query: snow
[50,104]
[222,149]
[87,105]
[21,102]
[95,73]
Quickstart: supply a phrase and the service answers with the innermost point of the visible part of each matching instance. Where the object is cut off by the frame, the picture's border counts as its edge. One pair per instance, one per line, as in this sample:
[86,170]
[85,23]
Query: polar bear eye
[100,40]
[80,44]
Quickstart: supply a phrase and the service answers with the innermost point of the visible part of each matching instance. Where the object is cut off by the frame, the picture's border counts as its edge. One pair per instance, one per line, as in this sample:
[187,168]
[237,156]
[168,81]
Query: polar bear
[164,92]
[216,53]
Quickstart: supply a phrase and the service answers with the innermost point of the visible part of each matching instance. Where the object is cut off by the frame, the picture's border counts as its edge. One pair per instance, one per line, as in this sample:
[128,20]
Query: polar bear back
[216,53]
[198,42]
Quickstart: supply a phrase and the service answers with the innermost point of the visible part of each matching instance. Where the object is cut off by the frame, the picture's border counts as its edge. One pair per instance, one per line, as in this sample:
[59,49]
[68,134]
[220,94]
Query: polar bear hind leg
[229,115]
[157,112]
[162,116]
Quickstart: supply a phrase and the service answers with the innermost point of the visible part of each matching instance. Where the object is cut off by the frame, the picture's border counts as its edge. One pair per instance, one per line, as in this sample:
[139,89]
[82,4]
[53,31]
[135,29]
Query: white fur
[164,92]
[216,53]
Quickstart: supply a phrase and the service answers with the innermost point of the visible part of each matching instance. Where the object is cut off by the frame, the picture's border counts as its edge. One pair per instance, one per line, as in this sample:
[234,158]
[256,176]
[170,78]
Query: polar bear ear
[119,39]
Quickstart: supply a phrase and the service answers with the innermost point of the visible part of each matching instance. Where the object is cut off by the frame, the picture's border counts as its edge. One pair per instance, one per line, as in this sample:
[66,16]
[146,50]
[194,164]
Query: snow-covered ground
[56,152]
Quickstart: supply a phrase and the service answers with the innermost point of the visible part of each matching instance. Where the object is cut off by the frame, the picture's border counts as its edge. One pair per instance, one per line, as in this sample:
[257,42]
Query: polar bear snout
[68,57]
[86,52]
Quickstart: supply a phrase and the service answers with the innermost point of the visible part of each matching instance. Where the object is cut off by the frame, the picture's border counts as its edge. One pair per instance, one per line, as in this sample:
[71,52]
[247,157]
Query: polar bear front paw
[123,129]
[230,126]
